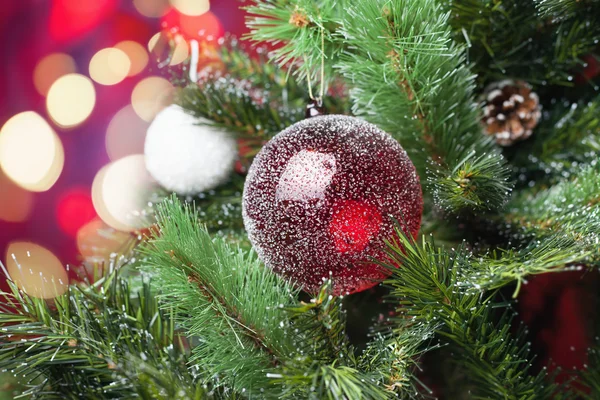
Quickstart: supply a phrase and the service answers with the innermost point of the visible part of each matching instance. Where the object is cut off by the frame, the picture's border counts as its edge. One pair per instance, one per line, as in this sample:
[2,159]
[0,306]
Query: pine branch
[254,337]
[511,39]
[405,76]
[570,209]
[253,99]
[428,286]
[102,341]
[225,298]
[554,253]
[305,28]
[565,9]
[394,358]
[235,105]
[591,376]
[568,137]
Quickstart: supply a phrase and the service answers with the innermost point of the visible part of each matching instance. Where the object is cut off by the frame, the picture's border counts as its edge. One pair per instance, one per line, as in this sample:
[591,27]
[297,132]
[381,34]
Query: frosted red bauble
[320,201]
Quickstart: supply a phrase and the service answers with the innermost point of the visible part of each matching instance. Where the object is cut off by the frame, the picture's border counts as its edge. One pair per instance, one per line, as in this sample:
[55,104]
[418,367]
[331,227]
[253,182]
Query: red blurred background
[34,29]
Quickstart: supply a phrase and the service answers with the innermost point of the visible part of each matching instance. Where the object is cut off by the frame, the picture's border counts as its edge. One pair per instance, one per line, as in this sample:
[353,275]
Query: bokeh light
[151,8]
[96,240]
[109,66]
[191,7]
[74,210]
[181,52]
[121,191]
[36,270]
[137,54]
[160,47]
[15,202]
[31,154]
[50,68]
[150,96]
[201,27]
[126,134]
[71,100]
[70,19]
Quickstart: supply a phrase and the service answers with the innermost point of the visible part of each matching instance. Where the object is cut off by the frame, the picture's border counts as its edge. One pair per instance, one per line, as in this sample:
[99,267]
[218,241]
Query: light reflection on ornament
[109,66]
[137,56]
[31,154]
[36,270]
[121,191]
[125,134]
[150,96]
[15,203]
[307,176]
[151,8]
[71,100]
[96,241]
[191,7]
[50,68]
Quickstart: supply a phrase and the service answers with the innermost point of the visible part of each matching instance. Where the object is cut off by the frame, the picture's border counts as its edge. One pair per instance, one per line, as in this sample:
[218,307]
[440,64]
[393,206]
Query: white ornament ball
[185,157]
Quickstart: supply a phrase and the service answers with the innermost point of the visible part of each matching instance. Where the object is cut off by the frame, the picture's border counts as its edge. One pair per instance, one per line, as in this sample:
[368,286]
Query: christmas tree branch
[224,297]
[102,341]
[306,30]
[570,209]
[555,253]
[429,288]
[252,98]
[513,39]
[564,141]
[406,76]
[253,333]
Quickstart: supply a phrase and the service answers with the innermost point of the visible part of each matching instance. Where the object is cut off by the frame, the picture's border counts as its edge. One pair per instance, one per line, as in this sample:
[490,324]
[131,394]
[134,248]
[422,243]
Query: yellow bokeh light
[181,52]
[150,96]
[191,7]
[96,241]
[137,56]
[71,100]
[15,203]
[125,134]
[36,270]
[31,154]
[178,55]
[50,68]
[151,8]
[121,191]
[109,66]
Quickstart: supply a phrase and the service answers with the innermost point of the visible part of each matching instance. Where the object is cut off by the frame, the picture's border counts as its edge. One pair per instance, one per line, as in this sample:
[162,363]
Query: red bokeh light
[71,18]
[74,210]
[203,27]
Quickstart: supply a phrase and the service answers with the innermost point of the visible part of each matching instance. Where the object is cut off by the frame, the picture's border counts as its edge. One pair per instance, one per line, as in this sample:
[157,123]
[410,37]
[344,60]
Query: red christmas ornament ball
[320,201]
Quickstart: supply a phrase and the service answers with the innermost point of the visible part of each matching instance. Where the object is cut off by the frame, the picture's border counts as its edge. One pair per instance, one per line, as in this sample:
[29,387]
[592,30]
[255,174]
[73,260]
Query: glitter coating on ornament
[320,200]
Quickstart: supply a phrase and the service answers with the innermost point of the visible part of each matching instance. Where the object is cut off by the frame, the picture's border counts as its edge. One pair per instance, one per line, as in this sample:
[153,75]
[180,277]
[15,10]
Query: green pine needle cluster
[432,285]
[106,340]
[542,42]
[569,210]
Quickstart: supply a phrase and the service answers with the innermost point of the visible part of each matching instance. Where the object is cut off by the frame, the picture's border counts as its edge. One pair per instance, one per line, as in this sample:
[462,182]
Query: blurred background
[79,88]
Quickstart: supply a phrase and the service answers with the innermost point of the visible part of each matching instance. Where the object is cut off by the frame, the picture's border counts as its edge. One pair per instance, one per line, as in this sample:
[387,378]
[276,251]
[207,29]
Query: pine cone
[511,111]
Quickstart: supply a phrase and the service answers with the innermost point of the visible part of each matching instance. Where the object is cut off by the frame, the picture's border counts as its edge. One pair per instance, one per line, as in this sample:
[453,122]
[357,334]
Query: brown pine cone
[511,111]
